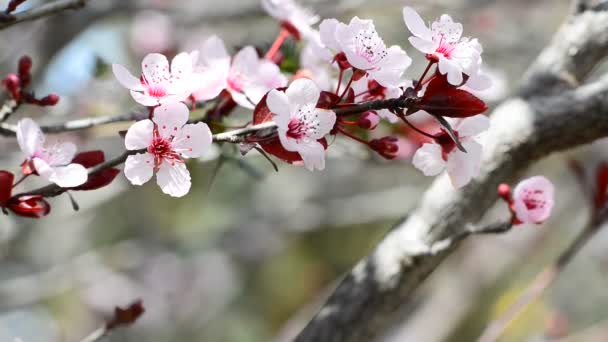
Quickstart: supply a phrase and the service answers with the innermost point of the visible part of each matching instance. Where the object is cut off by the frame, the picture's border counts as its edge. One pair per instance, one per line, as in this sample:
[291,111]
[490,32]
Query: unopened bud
[504,191]
[13,86]
[369,120]
[342,61]
[387,147]
[13,4]
[25,68]
[49,100]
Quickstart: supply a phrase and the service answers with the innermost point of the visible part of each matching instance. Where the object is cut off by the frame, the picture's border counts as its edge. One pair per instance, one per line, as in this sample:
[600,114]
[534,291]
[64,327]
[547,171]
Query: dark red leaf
[126,316]
[601,190]
[98,180]
[276,149]
[6,186]
[455,103]
[29,206]
[261,113]
[328,100]
[89,159]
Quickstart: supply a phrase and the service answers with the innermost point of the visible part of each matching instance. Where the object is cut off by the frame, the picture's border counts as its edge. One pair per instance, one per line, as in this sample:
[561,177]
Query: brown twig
[542,281]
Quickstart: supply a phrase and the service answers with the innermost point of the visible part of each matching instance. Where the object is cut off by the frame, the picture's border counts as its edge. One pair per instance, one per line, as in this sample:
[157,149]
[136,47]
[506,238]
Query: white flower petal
[170,117]
[144,99]
[139,135]
[472,126]
[461,166]
[391,68]
[193,140]
[246,61]
[125,78]
[428,159]
[302,92]
[139,168]
[327,30]
[211,84]
[181,74]
[452,69]
[155,68]
[61,154]
[278,104]
[326,119]
[424,46]
[29,136]
[69,176]
[214,54]
[173,178]
[313,155]
[242,99]
[416,25]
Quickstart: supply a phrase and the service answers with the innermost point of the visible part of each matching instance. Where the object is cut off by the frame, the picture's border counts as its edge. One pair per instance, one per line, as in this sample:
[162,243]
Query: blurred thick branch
[42,11]
[551,113]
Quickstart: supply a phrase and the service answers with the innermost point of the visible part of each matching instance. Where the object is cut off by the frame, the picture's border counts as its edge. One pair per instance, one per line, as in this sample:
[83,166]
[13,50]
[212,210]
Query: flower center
[445,48]
[369,46]
[236,81]
[162,149]
[533,199]
[156,90]
[296,129]
[304,124]
[446,143]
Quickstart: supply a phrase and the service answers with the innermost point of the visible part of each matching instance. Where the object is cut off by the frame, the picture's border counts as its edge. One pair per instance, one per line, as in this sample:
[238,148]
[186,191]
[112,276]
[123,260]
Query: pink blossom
[365,50]
[533,200]
[168,140]
[444,42]
[247,77]
[54,162]
[442,154]
[300,124]
[158,84]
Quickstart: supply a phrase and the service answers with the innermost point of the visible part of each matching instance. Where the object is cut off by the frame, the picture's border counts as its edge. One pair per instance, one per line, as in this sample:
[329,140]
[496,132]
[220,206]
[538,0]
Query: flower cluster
[346,81]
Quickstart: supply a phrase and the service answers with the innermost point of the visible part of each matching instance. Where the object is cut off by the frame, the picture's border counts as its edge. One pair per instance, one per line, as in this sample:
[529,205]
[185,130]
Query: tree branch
[546,117]
[42,11]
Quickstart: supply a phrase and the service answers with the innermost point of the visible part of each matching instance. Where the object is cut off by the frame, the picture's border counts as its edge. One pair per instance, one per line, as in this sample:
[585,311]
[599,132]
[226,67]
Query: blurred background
[249,254]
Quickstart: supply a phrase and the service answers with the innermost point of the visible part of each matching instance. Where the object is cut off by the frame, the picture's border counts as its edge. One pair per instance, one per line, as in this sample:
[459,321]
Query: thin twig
[542,281]
[42,11]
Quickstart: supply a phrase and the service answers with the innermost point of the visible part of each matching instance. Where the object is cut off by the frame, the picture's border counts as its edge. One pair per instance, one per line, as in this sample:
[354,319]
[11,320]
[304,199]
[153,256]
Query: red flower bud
[25,68]
[369,120]
[12,83]
[388,147]
[29,206]
[504,191]
[49,100]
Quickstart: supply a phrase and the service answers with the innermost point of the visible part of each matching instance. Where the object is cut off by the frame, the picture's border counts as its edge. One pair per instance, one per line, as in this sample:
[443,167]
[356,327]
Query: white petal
[278,104]
[461,166]
[155,68]
[424,46]
[479,82]
[180,97]
[61,154]
[246,61]
[170,118]
[472,126]
[69,176]
[327,29]
[326,120]
[139,135]
[313,155]
[288,143]
[415,24]
[212,82]
[139,168]
[302,92]
[29,136]
[126,78]
[181,74]
[452,69]
[144,99]
[193,140]
[255,93]
[173,179]
[391,68]
[428,159]
[214,53]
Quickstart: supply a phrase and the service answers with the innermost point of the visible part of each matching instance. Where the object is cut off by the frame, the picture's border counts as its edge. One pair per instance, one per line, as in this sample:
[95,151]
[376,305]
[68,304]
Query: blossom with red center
[443,42]
[158,84]
[299,123]
[247,77]
[168,140]
[533,200]
[433,158]
[365,50]
[52,162]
